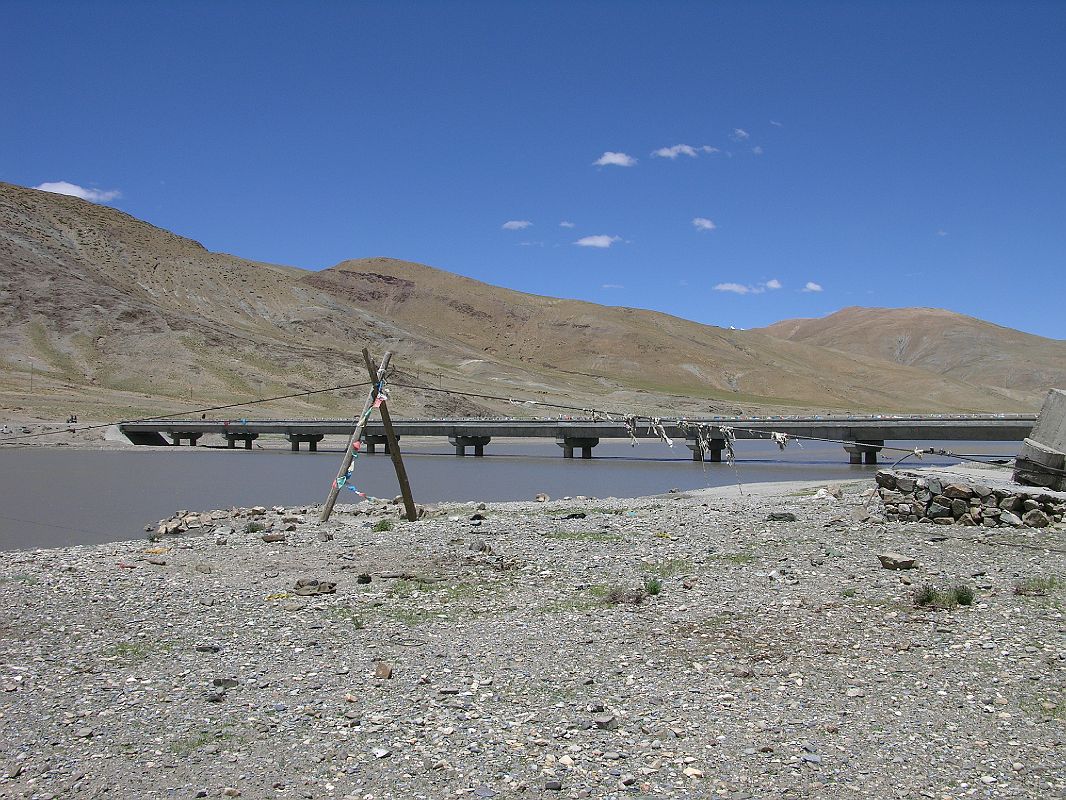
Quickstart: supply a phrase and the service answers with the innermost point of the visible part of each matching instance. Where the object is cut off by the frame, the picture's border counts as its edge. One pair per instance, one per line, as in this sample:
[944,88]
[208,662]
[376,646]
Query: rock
[156,561]
[381,752]
[271,538]
[306,587]
[383,670]
[886,480]
[966,519]
[231,791]
[1009,518]
[553,785]
[1035,518]
[605,721]
[363,578]
[904,484]
[84,733]
[541,497]
[957,491]
[209,647]
[781,516]
[937,510]
[891,497]
[480,546]
[576,515]
[1011,503]
[959,507]
[896,561]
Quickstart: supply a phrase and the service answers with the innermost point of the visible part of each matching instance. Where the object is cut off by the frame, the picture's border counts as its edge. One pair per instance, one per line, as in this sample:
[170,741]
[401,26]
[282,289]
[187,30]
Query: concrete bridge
[869,434]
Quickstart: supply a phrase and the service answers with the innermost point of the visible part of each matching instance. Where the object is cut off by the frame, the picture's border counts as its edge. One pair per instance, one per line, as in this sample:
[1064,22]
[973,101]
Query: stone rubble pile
[914,497]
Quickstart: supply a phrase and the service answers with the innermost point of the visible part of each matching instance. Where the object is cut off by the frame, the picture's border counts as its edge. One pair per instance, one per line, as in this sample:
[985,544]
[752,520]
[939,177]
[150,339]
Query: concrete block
[1042,460]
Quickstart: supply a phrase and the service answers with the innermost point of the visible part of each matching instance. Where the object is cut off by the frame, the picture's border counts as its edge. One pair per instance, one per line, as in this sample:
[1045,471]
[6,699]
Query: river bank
[515,650]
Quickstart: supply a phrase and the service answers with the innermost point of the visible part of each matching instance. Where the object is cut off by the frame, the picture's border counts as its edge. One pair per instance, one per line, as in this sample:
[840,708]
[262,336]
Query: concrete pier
[714,450]
[570,443]
[247,438]
[312,440]
[372,441]
[864,452]
[460,443]
[192,436]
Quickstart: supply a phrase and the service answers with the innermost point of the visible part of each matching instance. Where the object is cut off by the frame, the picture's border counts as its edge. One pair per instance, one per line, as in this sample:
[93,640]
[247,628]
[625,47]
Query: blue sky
[880,154]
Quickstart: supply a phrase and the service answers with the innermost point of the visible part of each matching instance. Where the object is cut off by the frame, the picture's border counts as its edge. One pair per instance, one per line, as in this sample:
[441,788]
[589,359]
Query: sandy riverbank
[779,658]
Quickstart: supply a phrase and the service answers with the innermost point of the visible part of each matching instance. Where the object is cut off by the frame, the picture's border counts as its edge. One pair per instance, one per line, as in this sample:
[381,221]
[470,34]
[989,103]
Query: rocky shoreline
[690,645]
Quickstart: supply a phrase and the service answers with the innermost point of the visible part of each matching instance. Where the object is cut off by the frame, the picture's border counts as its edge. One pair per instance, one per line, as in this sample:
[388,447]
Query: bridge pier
[460,443]
[247,438]
[192,436]
[312,440]
[568,443]
[372,443]
[714,450]
[864,452]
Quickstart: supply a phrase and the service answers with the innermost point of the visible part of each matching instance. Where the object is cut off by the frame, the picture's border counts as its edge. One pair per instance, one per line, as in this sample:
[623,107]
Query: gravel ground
[509,656]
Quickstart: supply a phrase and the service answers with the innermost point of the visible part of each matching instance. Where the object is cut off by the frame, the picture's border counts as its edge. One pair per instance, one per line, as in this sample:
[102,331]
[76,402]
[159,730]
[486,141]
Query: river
[54,497]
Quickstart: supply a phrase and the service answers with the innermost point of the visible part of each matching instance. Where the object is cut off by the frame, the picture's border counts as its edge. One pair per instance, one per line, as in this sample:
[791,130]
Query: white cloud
[741,288]
[703,224]
[812,287]
[708,149]
[776,124]
[531,244]
[612,286]
[739,135]
[567,224]
[516,224]
[610,159]
[73,190]
[601,240]
[738,288]
[675,151]
[941,232]
[757,150]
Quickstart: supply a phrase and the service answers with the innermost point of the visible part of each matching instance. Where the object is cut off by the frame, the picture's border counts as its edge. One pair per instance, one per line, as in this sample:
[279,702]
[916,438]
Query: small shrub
[926,596]
[1036,587]
[653,586]
[620,595]
[255,527]
[964,595]
[383,525]
[848,592]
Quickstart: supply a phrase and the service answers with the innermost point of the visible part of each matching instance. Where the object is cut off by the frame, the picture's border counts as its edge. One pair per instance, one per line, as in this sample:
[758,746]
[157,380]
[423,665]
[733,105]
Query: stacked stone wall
[911,497]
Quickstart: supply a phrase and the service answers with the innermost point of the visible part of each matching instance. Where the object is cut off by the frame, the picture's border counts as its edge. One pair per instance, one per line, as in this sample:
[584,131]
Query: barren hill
[937,341]
[116,317]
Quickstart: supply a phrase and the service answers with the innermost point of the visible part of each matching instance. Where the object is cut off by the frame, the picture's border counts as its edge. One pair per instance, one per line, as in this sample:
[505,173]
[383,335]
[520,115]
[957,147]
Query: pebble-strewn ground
[780,659]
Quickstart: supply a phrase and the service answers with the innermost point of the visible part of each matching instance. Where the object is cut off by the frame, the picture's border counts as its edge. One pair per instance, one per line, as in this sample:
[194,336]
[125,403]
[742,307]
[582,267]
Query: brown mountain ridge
[124,318]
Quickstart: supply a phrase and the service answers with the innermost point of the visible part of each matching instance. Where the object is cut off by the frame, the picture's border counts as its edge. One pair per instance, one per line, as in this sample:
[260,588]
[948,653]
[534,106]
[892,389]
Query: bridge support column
[460,443]
[568,443]
[864,452]
[372,443]
[192,436]
[714,450]
[312,440]
[247,438]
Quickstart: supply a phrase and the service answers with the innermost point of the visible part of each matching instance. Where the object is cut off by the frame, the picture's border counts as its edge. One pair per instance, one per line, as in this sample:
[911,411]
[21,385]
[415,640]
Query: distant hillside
[119,317]
[937,341]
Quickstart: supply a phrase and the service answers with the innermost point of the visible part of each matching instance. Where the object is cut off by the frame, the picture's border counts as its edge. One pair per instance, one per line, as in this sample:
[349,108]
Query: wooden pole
[349,452]
[390,437]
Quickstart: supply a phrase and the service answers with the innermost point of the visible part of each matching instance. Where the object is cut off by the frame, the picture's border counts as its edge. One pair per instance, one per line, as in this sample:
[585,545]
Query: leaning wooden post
[349,453]
[390,437]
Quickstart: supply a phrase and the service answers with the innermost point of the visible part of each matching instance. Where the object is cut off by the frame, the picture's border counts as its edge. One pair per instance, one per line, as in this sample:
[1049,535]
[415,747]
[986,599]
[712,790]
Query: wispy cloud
[742,288]
[611,159]
[812,287]
[567,224]
[941,232]
[757,150]
[683,150]
[703,224]
[531,244]
[612,286]
[776,124]
[740,135]
[737,288]
[600,240]
[516,224]
[73,190]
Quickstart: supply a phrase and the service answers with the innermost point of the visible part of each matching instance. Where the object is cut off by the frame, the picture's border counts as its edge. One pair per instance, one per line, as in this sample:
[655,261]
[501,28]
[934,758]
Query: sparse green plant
[671,567]
[585,536]
[383,525]
[848,592]
[1037,586]
[931,597]
[255,527]
[653,585]
[739,559]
